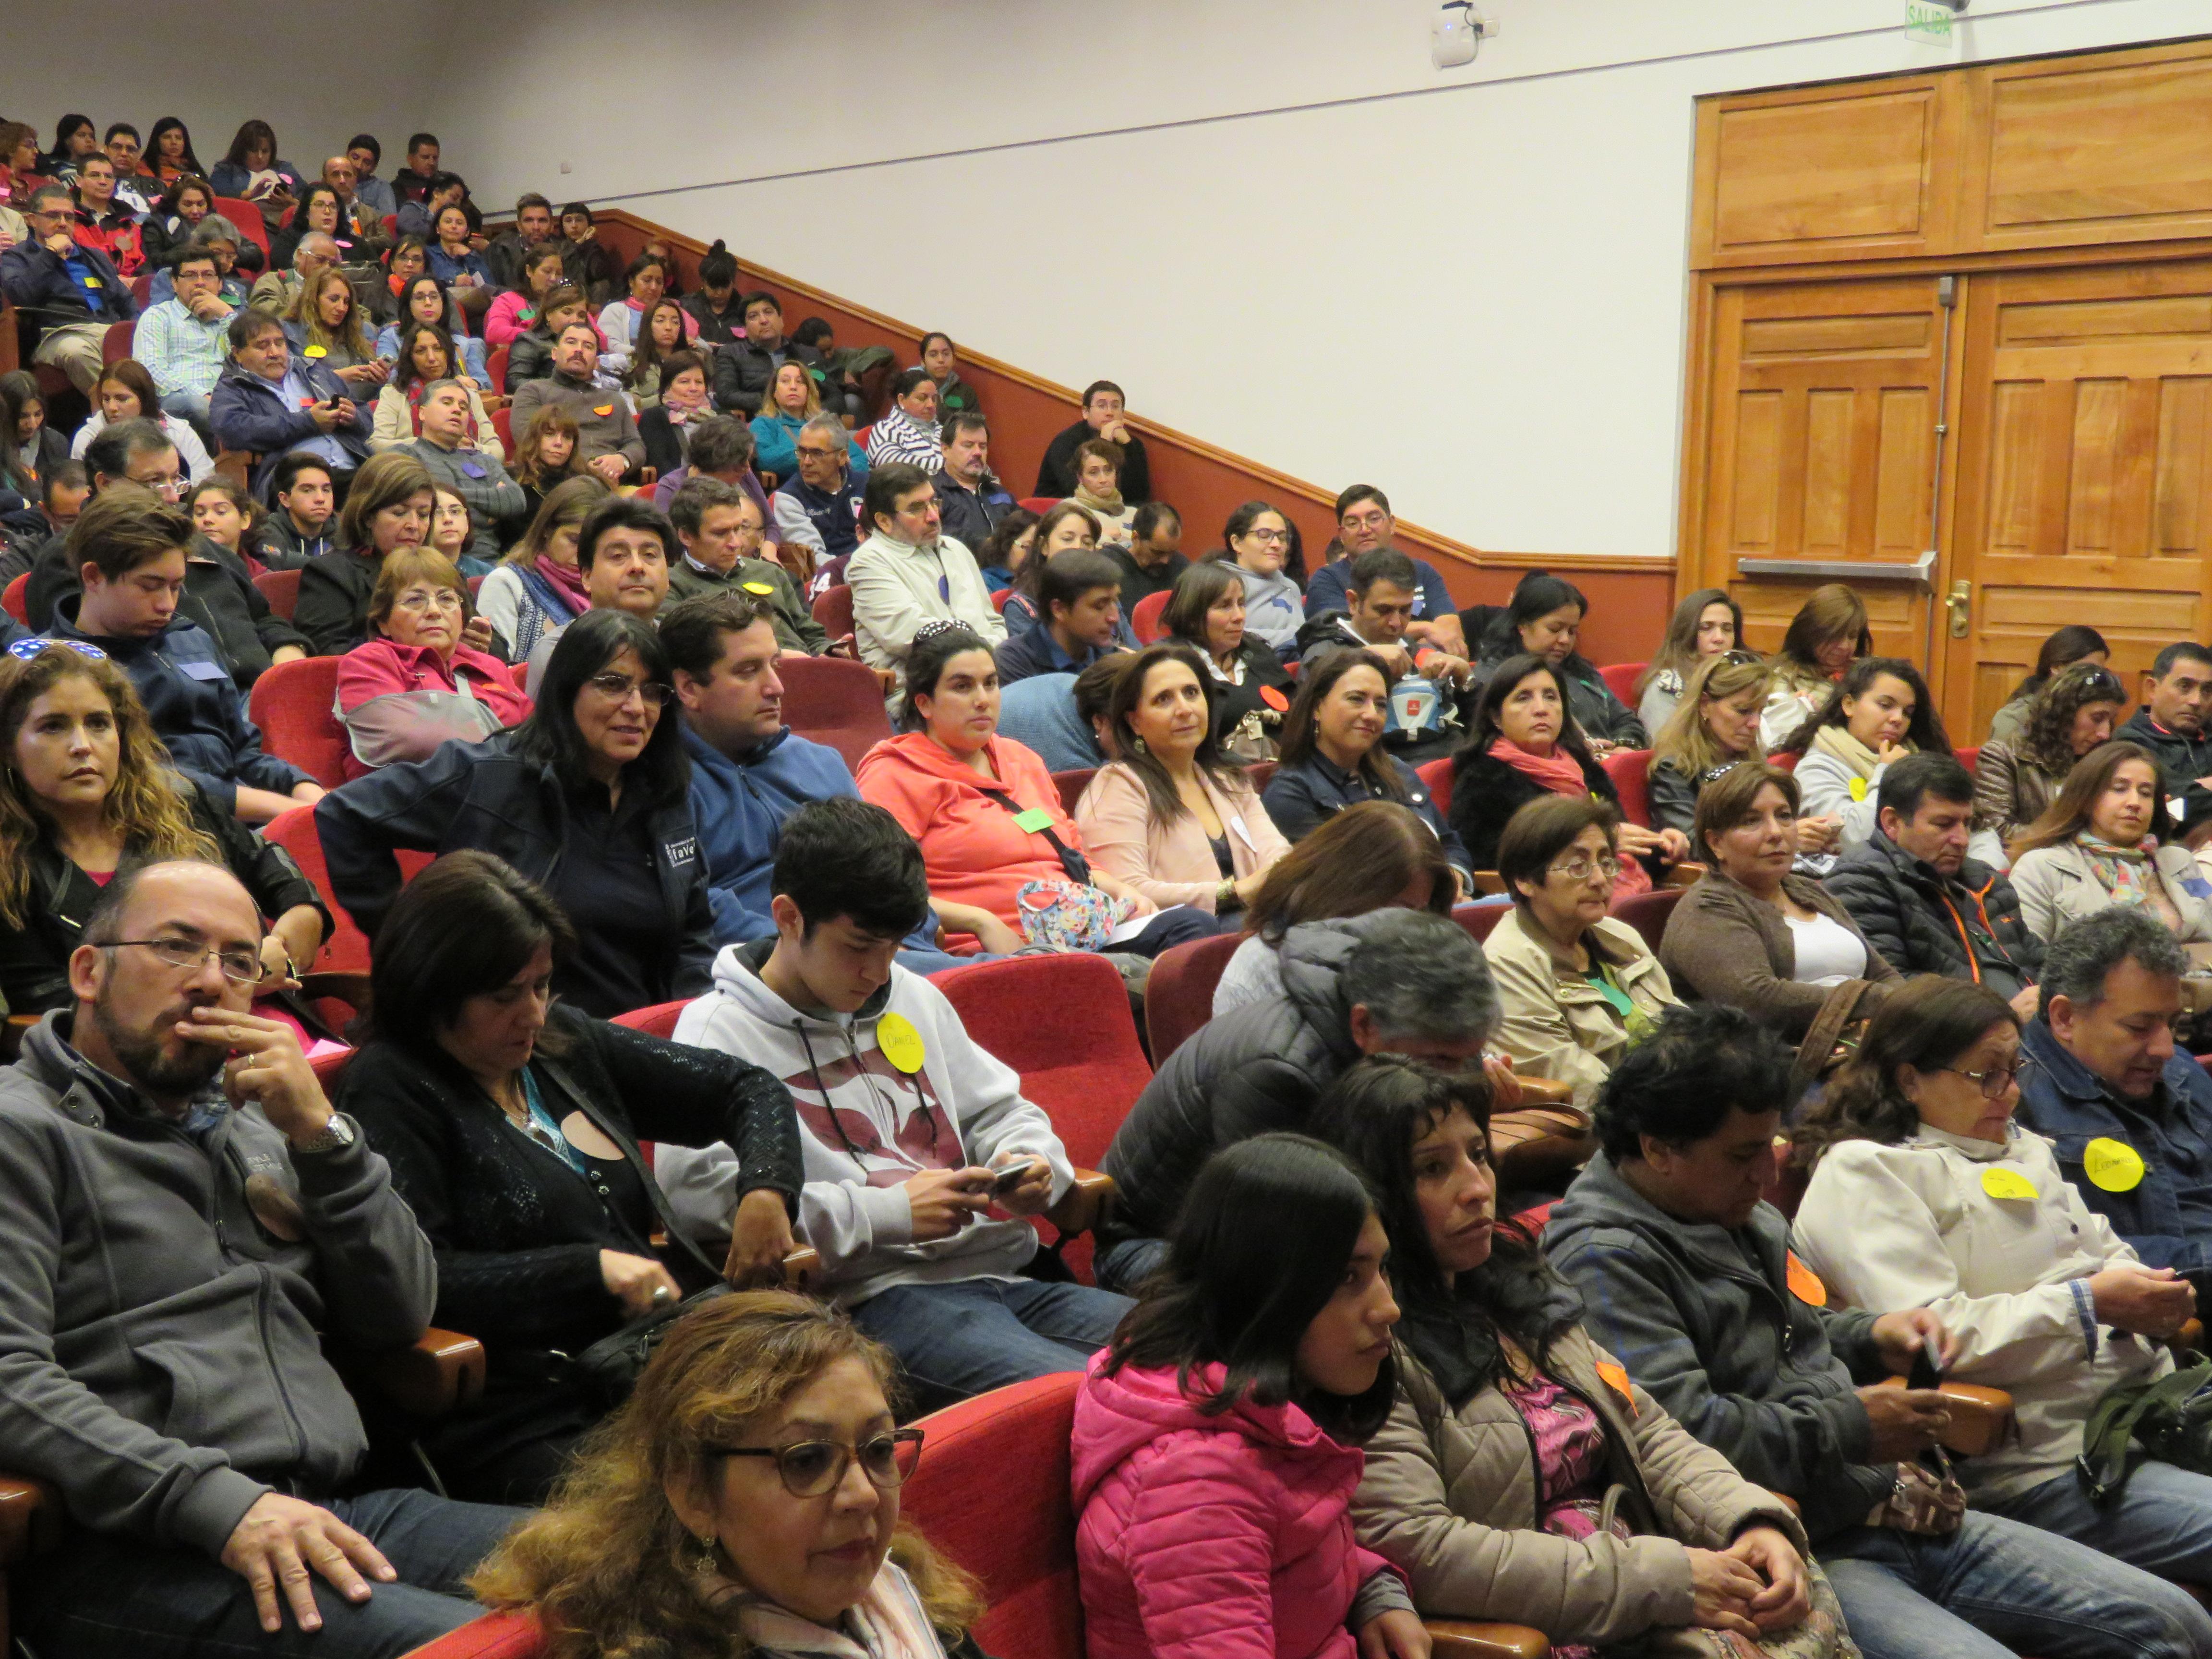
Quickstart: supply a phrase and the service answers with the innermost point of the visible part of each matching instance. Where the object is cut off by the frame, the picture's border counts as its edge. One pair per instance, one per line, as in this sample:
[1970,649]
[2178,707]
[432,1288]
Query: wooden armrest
[11,1034]
[30,1518]
[352,989]
[800,1266]
[2190,1339]
[1488,882]
[1788,1503]
[1460,1638]
[1979,1416]
[1084,1204]
[1544,1090]
[1685,874]
[442,1372]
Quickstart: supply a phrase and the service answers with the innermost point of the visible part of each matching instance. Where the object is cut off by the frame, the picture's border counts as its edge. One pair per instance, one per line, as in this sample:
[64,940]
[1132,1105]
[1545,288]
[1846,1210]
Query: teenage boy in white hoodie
[923,1161]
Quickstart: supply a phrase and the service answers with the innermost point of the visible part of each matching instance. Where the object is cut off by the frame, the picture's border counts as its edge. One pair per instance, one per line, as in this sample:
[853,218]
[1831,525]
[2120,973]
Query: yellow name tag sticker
[765,590]
[316,351]
[1616,1378]
[2113,1165]
[1999,1181]
[901,1042]
[93,281]
[1804,1283]
[1858,788]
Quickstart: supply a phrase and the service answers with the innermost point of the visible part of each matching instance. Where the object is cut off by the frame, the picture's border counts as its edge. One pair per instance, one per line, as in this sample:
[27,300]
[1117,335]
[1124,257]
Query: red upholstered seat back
[1179,996]
[291,702]
[1647,913]
[1631,770]
[282,589]
[659,1020]
[1436,775]
[834,611]
[834,701]
[1621,679]
[346,950]
[1145,620]
[496,1636]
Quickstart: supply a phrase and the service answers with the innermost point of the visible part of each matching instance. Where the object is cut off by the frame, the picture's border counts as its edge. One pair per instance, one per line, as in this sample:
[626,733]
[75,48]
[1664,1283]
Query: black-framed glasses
[1993,1081]
[813,1467]
[617,688]
[240,967]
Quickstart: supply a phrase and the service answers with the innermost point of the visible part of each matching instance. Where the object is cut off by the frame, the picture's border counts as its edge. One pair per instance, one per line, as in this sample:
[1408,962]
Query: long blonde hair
[1684,742]
[307,312]
[607,1566]
[144,807]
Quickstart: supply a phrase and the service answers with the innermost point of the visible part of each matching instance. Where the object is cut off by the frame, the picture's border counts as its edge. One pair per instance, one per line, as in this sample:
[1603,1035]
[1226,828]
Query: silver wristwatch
[335,1137]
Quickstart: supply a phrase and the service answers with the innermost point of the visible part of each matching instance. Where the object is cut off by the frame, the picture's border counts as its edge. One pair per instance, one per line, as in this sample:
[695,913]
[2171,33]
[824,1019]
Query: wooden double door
[2044,432]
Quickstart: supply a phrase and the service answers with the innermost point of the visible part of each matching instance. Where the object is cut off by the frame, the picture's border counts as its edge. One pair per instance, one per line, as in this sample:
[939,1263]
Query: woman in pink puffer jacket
[1216,1441]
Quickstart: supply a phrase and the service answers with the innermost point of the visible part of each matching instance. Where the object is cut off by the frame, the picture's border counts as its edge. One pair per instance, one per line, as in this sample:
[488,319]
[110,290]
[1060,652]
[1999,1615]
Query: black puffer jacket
[1923,924]
[1486,794]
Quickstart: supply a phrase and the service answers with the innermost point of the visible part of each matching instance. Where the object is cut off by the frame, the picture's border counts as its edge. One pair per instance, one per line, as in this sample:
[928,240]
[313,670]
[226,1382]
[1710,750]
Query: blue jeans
[2161,1520]
[1125,1265]
[976,1334]
[105,1597]
[1998,1586]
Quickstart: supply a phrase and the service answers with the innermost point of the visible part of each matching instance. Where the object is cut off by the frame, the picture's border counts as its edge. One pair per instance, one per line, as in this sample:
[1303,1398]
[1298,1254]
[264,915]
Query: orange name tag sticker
[1273,697]
[604,409]
[1805,1284]
[1616,1378]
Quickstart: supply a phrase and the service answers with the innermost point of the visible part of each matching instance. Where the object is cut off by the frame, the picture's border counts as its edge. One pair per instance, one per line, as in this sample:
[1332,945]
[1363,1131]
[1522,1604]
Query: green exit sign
[1930,24]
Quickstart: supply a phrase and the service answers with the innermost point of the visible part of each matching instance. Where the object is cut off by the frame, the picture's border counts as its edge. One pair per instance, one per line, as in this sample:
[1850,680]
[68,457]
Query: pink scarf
[1560,774]
[569,580]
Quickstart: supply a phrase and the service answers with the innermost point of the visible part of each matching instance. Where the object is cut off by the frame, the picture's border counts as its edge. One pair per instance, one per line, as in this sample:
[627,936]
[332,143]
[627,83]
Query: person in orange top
[989,819]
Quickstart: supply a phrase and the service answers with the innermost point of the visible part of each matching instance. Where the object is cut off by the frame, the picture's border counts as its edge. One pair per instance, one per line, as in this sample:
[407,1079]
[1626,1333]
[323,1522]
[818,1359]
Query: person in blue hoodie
[749,771]
[128,545]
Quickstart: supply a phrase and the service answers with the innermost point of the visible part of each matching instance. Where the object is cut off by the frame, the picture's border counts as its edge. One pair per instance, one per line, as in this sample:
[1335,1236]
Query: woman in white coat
[2108,839]
[1925,1193]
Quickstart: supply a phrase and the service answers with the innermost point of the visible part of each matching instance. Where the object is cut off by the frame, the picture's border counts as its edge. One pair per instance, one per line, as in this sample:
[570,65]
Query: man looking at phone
[269,402]
[923,1161]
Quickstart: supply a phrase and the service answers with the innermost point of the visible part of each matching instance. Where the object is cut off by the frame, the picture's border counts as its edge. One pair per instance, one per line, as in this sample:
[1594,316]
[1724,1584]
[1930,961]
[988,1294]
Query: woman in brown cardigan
[1752,934]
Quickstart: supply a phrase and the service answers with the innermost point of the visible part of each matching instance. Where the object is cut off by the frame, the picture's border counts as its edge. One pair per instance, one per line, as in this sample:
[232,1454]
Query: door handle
[1959,603]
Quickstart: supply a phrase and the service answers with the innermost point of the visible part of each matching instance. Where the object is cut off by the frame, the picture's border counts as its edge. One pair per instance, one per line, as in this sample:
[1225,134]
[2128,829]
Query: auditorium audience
[1065,528]
[1153,561]
[1826,636]
[2108,839]
[86,789]
[1769,1369]
[1216,1443]
[1544,618]
[1490,1343]
[745,369]
[1365,524]
[511,1126]
[389,508]
[1914,1144]
[1333,754]
[2176,698]
[907,573]
[1389,981]
[1249,689]
[604,425]
[1707,623]
[2071,644]
[1879,713]
[422,301]
[423,354]
[415,682]
[903,1227]
[182,340]
[666,1538]
[1256,540]
[588,796]
[1753,933]
[1173,817]
[537,589]
[972,502]
[232,1507]
[271,403]
[1079,597]
[66,295]
[1576,989]
[1714,725]
[792,400]
[2015,779]
[1103,417]
[1924,902]
[907,431]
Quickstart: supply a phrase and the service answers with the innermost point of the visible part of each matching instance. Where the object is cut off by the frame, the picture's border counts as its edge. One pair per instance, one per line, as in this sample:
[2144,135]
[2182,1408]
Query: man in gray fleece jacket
[1686,1276]
[171,1263]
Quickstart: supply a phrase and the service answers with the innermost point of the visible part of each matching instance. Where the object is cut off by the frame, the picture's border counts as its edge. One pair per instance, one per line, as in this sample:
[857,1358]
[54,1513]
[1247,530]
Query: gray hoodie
[1704,1319]
[162,1287]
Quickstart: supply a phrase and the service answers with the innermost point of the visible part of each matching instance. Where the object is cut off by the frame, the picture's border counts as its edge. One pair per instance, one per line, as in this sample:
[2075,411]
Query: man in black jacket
[1397,981]
[744,369]
[1921,903]
[2176,698]
[1103,417]
[70,293]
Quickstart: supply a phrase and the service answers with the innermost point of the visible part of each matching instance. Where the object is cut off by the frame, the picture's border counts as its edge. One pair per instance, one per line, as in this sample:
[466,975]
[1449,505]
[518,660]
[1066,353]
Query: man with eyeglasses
[129,548]
[172,1383]
[2129,1111]
[70,293]
[820,509]
[497,506]
[908,572]
[1364,524]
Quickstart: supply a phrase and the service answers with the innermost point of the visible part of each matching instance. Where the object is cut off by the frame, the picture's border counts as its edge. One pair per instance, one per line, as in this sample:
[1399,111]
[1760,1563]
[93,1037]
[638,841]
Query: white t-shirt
[1828,953]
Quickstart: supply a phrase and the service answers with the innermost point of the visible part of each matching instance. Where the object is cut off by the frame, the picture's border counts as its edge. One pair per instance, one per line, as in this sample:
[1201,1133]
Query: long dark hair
[162,128]
[1679,650]
[249,133]
[19,389]
[1926,732]
[1375,1112]
[1499,686]
[2048,737]
[2068,646]
[1197,590]
[587,646]
[403,373]
[1929,1022]
[1161,796]
[1257,1252]
[1302,726]
[444,303]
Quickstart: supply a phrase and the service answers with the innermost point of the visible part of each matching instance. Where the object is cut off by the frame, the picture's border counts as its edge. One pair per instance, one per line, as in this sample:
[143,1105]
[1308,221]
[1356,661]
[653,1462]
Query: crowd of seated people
[1328,1387]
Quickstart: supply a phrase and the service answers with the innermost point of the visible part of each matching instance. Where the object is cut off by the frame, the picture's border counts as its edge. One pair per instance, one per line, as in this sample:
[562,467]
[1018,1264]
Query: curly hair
[606,1564]
[2048,737]
[145,806]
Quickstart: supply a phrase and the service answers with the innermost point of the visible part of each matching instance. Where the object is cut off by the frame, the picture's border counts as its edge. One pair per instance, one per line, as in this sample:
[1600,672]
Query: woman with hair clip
[1251,689]
[1707,623]
[1544,619]
[2108,839]
[1826,636]
[1715,725]
[2016,779]
[1881,711]
[538,587]
[125,392]
[511,1126]
[744,1501]
[85,787]
[2073,643]
[423,300]
[590,795]
[1372,855]
[1216,1444]
[1173,817]
[1492,1484]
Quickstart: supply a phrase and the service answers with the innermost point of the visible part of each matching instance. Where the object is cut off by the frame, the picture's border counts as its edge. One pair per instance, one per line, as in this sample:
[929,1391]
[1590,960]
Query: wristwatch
[335,1137]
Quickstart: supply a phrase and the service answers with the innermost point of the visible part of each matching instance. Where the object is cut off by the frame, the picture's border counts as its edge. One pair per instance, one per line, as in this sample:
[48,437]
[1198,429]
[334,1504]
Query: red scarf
[569,580]
[1558,772]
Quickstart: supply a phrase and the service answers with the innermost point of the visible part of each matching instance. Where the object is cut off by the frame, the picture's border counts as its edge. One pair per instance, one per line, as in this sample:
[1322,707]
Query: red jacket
[398,702]
[973,851]
[118,237]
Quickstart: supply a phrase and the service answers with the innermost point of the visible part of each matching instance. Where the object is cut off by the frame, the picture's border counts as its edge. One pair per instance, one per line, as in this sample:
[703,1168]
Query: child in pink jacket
[1216,1441]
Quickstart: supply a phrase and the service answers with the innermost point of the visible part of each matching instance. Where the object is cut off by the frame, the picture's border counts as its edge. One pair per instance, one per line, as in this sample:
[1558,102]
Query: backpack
[2169,1418]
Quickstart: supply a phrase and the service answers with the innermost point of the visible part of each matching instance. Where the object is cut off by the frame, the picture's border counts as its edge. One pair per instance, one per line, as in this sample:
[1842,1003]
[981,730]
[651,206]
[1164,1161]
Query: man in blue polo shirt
[1364,524]
[1078,618]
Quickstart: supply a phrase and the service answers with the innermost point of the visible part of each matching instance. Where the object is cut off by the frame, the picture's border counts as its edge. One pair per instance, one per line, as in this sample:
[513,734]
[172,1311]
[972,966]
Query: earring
[705,1562]
[1137,744]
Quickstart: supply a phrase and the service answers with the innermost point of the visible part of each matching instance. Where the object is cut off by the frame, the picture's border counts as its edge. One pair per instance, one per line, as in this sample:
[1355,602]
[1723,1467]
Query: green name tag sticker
[1034,819]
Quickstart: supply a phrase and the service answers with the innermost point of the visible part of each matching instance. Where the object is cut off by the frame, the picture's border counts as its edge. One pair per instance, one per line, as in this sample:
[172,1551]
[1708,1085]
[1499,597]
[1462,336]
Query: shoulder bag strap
[636,1158]
[1078,867]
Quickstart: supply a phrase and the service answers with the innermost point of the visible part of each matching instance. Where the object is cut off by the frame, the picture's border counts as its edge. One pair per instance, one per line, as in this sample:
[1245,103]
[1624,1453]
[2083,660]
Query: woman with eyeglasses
[746,1500]
[512,1122]
[84,786]
[2016,779]
[1256,543]
[2108,840]
[1577,989]
[590,796]
[414,685]
[1926,1194]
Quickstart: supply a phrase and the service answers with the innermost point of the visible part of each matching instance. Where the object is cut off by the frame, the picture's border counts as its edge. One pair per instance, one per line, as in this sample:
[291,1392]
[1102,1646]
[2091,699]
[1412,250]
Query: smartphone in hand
[1924,1373]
